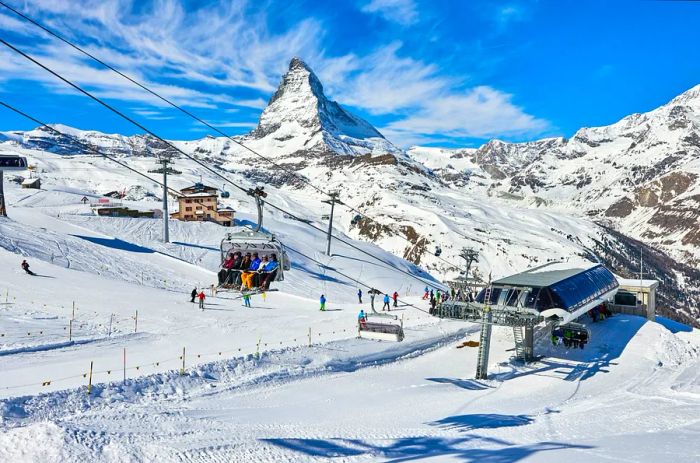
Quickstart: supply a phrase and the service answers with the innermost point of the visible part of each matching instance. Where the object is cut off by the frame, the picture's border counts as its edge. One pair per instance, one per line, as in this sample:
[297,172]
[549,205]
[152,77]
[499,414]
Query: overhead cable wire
[202,121]
[84,146]
[197,161]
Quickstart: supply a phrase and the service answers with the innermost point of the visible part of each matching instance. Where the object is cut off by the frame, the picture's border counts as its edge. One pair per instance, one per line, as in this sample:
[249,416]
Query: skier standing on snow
[193,295]
[246,300]
[323,303]
[396,299]
[359,295]
[386,303]
[25,267]
[201,297]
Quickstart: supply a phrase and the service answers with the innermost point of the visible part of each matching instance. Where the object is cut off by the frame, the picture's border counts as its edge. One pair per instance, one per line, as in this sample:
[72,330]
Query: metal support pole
[3,210]
[165,170]
[529,344]
[166,216]
[332,201]
[482,367]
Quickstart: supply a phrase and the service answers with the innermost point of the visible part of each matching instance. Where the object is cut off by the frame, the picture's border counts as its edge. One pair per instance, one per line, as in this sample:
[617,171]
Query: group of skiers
[248,272]
[199,295]
[575,339]
[387,299]
[600,312]
[435,297]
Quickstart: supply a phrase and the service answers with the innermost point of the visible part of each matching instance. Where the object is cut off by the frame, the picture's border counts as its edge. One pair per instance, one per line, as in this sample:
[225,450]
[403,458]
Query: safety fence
[71,326]
[126,367]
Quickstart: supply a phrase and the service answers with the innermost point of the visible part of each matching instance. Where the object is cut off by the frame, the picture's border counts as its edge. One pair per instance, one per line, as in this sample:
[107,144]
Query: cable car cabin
[225,194]
[9,163]
[249,241]
[438,251]
[571,335]
[380,331]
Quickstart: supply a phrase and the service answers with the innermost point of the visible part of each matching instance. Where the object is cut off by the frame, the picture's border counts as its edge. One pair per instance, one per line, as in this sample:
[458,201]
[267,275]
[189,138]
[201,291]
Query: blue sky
[445,73]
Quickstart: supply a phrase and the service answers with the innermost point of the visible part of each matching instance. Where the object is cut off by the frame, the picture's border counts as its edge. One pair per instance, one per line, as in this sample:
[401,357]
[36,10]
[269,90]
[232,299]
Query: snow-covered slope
[413,203]
[639,175]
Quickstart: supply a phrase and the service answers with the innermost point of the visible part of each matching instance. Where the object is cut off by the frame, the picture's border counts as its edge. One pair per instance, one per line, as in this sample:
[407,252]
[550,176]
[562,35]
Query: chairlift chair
[381,331]
[13,163]
[438,251]
[574,332]
[225,194]
[255,240]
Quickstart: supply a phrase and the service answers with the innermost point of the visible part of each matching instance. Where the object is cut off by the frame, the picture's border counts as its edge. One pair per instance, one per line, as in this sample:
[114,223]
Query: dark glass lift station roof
[563,288]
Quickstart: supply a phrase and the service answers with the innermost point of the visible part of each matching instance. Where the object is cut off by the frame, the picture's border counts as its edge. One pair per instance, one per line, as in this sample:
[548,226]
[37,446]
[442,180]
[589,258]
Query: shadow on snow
[465,448]
[116,243]
[609,338]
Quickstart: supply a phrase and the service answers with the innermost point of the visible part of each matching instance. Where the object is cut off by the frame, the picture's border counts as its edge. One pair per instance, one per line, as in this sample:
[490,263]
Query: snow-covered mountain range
[603,194]
[639,175]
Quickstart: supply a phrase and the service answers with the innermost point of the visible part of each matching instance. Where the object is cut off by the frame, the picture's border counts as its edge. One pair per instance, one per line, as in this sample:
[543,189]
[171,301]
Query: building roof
[544,275]
[199,188]
[201,194]
[635,283]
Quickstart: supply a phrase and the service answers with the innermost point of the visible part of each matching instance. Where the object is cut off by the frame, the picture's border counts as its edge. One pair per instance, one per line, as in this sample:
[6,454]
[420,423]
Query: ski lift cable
[209,169]
[198,119]
[84,146]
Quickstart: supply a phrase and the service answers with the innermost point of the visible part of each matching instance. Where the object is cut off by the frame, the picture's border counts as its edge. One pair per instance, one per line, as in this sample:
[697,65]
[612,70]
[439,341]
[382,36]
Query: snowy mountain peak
[690,97]
[299,110]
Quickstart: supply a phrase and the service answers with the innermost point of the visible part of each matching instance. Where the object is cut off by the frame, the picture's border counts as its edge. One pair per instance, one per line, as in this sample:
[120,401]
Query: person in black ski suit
[193,295]
[25,267]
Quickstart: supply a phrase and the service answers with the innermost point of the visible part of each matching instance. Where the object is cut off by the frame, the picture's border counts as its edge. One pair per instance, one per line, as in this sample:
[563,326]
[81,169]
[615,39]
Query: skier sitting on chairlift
[268,271]
[248,276]
[226,268]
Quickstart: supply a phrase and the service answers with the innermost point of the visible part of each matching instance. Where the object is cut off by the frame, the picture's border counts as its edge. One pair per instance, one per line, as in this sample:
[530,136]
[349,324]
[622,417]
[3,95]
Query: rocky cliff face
[300,112]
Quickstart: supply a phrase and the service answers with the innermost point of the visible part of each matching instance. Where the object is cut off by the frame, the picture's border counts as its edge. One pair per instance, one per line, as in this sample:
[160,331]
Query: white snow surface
[254,390]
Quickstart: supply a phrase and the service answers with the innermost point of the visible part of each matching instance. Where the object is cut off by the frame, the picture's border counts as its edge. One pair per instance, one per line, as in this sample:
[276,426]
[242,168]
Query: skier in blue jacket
[386,302]
[323,303]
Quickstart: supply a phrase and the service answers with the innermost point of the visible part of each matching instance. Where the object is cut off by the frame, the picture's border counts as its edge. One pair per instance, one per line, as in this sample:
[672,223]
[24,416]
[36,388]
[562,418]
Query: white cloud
[200,58]
[403,12]
[220,45]
[429,106]
[480,112]
[383,82]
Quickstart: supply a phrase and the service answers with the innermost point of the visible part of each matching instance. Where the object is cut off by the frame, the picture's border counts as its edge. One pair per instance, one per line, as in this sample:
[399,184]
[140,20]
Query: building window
[188,208]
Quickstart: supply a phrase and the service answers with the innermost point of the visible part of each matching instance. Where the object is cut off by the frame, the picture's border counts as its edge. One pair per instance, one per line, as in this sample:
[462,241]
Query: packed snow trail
[412,408]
